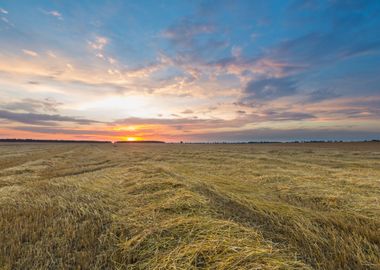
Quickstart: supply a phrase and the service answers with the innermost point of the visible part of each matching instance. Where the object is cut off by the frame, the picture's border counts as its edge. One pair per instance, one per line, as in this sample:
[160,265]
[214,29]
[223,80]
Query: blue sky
[190,70]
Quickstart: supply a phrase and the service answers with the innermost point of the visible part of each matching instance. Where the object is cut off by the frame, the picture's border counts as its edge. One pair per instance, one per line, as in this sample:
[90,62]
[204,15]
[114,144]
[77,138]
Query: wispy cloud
[236,51]
[188,111]
[29,52]
[98,43]
[321,94]
[193,39]
[41,119]
[54,13]
[185,32]
[196,124]
[32,105]
[6,21]
[4,18]
[269,89]
[51,54]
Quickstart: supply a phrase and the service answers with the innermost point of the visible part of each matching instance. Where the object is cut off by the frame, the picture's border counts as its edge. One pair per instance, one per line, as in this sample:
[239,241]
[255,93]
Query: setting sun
[132,139]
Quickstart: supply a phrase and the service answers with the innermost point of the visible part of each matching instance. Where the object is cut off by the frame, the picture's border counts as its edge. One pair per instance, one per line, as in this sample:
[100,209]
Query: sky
[193,71]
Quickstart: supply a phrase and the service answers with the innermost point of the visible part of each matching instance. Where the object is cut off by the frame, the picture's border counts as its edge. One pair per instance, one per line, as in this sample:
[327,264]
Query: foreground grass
[83,206]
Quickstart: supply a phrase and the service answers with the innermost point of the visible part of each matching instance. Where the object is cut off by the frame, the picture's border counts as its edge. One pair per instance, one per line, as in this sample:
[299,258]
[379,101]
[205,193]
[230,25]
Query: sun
[131,138]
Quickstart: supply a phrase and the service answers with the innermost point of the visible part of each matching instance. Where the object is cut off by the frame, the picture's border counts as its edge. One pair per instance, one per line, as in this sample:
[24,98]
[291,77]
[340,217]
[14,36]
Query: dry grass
[293,206]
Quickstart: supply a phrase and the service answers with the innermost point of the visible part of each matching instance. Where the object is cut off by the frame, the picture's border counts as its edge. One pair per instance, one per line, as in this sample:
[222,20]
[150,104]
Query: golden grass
[276,206]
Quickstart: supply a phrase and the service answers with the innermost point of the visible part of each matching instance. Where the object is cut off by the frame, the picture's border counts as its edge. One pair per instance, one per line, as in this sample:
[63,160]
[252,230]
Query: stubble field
[166,206]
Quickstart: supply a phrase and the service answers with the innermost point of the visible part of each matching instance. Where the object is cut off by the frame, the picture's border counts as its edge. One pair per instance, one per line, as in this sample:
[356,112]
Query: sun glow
[132,139]
[127,128]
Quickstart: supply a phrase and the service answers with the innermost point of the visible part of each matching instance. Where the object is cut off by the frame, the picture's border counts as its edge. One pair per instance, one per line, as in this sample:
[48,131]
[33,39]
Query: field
[167,206]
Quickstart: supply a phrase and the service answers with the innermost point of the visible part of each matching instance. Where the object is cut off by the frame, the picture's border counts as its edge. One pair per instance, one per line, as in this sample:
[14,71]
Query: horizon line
[182,142]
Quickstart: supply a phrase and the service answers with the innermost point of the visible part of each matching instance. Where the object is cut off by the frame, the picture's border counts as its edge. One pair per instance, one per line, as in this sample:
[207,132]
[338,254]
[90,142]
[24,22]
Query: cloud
[346,30]
[247,68]
[41,119]
[4,19]
[269,89]
[236,51]
[32,105]
[196,124]
[272,115]
[164,121]
[70,73]
[176,125]
[98,43]
[193,40]
[61,130]
[185,31]
[321,94]
[364,103]
[33,83]
[29,52]
[188,111]
[343,110]
[51,54]
[316,49]
[56,14]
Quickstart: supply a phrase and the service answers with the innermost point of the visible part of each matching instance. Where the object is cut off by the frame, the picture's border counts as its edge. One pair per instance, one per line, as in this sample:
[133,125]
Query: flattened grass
[274,206]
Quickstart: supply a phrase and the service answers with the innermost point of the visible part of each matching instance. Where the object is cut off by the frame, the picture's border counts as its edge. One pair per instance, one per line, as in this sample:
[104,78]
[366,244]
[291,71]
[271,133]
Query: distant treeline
[73,141]
[52,141]
[265,142]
